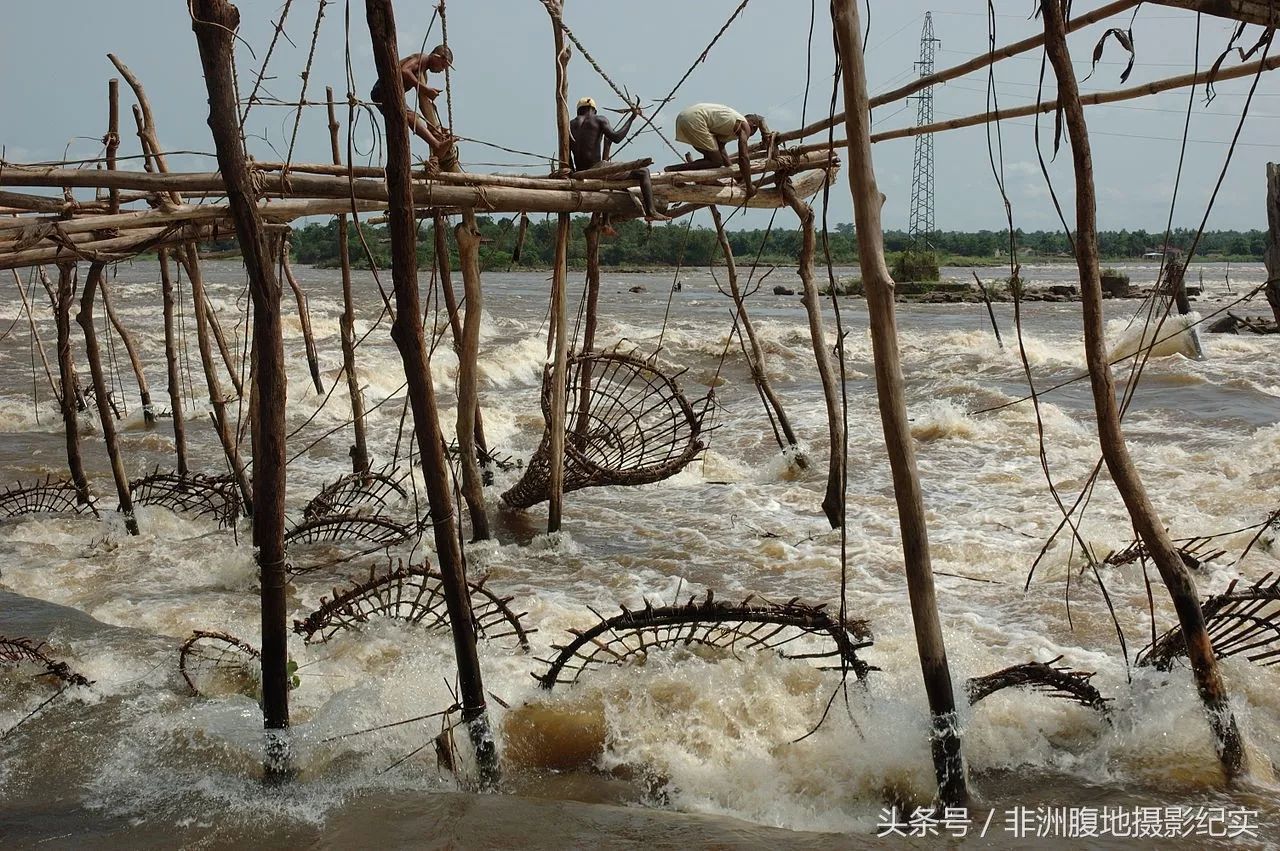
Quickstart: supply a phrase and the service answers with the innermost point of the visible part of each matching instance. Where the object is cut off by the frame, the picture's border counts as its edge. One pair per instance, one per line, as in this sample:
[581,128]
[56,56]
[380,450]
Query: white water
[711,738]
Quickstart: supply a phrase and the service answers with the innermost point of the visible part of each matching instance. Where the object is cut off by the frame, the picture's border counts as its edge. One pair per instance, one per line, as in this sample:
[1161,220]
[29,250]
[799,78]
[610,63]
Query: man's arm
[744,157]
[618,135]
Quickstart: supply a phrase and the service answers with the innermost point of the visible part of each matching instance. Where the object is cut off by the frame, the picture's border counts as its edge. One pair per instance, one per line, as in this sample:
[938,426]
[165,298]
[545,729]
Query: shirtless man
[708,127]
[427,126]
[588,134]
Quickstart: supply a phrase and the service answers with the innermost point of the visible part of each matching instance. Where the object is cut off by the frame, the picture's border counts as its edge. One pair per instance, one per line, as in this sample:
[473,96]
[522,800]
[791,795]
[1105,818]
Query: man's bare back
[588,134]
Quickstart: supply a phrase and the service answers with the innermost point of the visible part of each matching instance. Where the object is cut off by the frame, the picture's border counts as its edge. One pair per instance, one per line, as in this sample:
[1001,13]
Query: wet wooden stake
[559,277]
[468,236]
[1174,572]
[217,399]
[1272,255]
[304,317]
[35,335]
[444,270]
[407,332]
[755,356]
[66,372]
[100,391]
[171,365]
[215,23]
[589,325]
[947,758]
[112,139]
[144,389]
[833,502]
[347,325]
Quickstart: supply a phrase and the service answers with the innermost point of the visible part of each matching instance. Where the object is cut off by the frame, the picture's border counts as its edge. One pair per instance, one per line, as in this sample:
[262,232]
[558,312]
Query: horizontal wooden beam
[1096,99]
[966,67]
[1264,12]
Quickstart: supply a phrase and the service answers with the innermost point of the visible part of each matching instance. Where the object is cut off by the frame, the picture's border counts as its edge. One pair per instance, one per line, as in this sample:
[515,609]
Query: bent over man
[708,127]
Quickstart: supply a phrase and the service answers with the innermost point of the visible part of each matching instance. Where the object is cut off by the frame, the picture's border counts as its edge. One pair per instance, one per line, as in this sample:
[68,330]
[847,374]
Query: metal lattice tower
[921,224]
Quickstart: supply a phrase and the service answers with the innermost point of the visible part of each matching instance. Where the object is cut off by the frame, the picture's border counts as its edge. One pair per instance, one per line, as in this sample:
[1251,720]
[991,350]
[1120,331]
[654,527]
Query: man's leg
[448,159]
[709,159]
[651,213]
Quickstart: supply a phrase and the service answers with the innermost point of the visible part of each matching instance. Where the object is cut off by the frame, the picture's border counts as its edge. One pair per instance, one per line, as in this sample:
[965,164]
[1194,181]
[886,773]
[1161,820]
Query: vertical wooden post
[67,375]
[589,325]
[54,292]
[1272,255]
[214,23]
[112,139]
[217,400]
[1176,576]
[755,357]
[37,343]
[947,758]
[559,277]
[144,389]
[468,236]
[407,332]
[359,449]
[441,243]
[833,502]
[100,391]
[304,316]
[171,365]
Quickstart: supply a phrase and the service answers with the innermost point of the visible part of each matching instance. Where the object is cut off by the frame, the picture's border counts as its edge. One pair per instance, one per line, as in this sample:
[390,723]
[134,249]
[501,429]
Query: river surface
[685,750]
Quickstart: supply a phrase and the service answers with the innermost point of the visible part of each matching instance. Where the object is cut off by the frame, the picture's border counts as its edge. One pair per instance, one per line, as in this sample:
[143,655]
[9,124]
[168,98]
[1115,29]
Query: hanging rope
[702,57]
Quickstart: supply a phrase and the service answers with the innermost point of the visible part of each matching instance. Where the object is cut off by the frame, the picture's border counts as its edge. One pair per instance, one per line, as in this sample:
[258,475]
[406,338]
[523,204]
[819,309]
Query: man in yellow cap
[427,125]
[590,133]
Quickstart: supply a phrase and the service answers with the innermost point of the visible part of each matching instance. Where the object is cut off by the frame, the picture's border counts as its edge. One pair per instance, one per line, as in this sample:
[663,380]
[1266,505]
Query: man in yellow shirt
[708,127]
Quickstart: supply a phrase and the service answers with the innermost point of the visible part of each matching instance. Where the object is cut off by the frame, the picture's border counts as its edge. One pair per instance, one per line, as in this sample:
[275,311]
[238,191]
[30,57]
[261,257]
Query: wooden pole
[147,130]
[833,503]
[217,400]
[407,332]
[171,366]
[359,449]
[215,329]
[144,389]
[589,325]
[100,392]
[37,343]
[445,272]
[66,372]
[214,23]
[112,139]
[1176,576]
[468,236]
[304,317]
[559,279]
[755,355]
[947,757]
[1272,255]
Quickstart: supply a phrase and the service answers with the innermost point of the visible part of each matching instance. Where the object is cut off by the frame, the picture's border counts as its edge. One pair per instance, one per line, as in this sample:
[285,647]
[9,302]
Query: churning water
[683,750]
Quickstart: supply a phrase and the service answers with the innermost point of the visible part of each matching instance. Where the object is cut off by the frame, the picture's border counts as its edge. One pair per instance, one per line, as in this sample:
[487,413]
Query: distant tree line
[639,246]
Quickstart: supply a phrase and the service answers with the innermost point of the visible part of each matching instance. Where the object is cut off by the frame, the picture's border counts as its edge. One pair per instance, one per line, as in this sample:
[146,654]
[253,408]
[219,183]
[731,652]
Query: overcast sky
[53,59]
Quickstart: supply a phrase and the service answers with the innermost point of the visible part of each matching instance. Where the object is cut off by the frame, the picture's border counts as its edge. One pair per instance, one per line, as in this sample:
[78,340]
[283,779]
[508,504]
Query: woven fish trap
[627,423]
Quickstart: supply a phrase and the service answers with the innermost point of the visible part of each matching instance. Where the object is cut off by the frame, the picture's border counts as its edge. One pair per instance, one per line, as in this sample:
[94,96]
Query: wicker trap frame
[413,594]
[217,662]
[51,496]
[374,491]
[1193,551]
[18,653]
[352,526]
[1047,677]
[1241,622]
[757,625]
[195,494]
[633,426]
